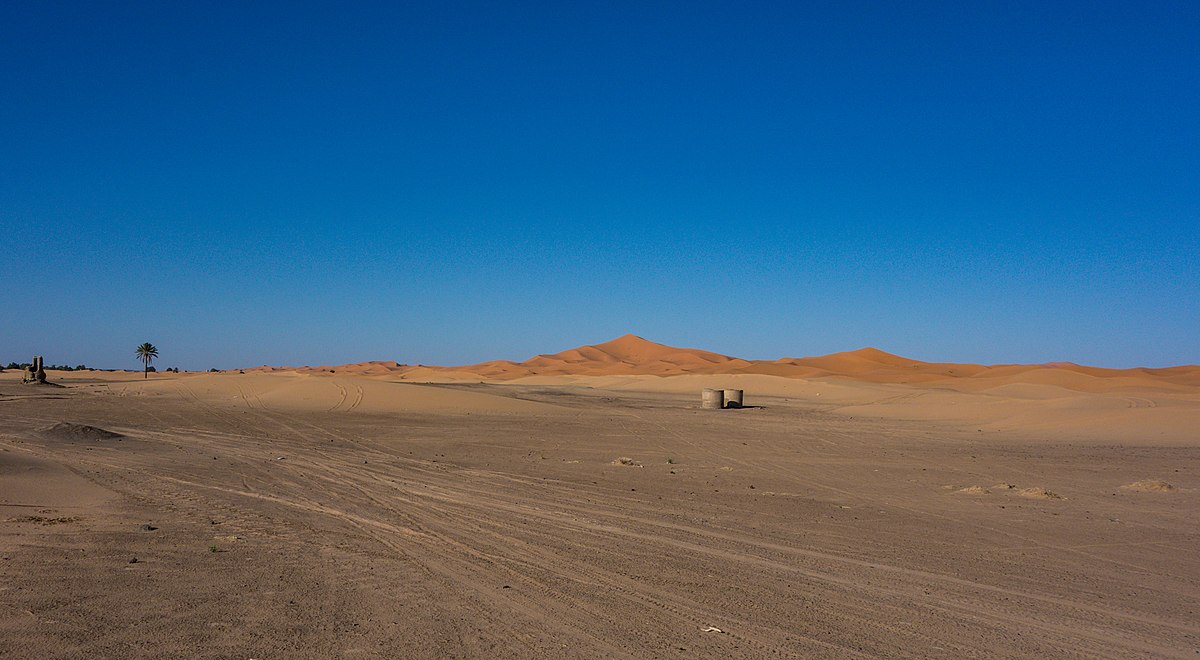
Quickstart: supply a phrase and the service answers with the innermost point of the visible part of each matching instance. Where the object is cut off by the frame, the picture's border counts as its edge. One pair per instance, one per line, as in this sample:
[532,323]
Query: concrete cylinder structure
[733,398]
[712,399]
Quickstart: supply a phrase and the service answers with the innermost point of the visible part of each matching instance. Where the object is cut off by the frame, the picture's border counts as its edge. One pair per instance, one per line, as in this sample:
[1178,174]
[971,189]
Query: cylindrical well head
[712,398]
[733,398]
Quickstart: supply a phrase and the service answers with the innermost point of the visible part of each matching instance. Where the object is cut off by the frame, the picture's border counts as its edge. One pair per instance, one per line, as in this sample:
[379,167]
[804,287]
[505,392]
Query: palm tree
[146,353]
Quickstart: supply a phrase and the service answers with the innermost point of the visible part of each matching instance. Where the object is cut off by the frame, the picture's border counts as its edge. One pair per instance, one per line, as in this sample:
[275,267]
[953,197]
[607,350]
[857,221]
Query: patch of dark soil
[43,520]
[79,432]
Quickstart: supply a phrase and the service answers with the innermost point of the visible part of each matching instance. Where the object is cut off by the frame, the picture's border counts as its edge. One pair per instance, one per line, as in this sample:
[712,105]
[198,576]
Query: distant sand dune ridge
[630,355]
[1156,406]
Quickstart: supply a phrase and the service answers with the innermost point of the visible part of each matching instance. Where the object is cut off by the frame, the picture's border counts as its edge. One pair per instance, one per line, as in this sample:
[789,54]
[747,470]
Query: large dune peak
[627,354]
[870,354]
[634,355]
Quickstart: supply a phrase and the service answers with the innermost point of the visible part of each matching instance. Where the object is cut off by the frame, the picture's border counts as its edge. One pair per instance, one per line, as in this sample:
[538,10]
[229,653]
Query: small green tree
[146,353]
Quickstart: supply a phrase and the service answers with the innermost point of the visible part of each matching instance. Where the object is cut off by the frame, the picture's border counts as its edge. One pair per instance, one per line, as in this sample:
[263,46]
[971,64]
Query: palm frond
[146,351]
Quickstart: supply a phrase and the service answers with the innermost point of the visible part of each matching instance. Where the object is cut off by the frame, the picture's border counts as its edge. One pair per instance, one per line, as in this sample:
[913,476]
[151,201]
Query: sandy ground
[306,514]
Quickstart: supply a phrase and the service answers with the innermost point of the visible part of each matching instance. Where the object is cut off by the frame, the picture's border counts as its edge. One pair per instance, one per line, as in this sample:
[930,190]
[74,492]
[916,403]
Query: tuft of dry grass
[1038,493]
[1149,486]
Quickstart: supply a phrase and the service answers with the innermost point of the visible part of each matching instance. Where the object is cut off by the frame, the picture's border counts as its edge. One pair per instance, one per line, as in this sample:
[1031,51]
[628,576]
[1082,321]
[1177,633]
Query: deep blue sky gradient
[302,183]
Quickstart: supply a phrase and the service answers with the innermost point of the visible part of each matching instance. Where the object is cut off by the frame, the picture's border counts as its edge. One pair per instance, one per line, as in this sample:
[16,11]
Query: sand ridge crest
[632,355]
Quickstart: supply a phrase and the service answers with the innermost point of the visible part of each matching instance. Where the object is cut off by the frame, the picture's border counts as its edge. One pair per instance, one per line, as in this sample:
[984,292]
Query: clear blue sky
[298,183]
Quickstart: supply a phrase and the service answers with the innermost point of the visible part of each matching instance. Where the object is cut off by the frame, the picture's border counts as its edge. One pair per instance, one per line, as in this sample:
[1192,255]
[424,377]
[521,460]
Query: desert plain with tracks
[581,504]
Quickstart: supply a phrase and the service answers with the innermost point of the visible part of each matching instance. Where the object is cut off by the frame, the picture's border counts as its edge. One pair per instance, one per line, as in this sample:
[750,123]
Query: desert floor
[287,515]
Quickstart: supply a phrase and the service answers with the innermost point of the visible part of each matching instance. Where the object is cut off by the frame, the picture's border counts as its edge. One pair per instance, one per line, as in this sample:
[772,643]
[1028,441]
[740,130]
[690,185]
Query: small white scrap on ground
[711,629]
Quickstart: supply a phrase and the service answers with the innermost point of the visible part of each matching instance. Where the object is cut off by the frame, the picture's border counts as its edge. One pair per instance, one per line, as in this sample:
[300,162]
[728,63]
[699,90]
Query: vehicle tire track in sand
[703,543]
[342,397]
[461,520]
[435,560]
[1021,594]
[707,537]
[893,502]
[441,474]
[588,559]
[438,545]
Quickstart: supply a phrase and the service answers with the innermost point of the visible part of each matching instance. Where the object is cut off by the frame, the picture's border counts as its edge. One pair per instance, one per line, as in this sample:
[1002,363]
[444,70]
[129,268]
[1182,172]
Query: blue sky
[298,183]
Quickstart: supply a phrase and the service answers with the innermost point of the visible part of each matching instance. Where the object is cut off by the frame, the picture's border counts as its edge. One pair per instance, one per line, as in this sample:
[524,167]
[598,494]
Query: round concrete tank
[712,398]
[733,398]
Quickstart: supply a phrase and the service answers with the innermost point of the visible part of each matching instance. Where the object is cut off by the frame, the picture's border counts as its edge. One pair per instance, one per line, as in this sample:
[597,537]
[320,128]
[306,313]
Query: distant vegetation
[146,353]
[50,367]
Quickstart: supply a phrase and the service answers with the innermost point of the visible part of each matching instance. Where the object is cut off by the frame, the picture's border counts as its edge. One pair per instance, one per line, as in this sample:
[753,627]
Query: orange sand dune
[1071,401]
[631,355]
[624,355]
